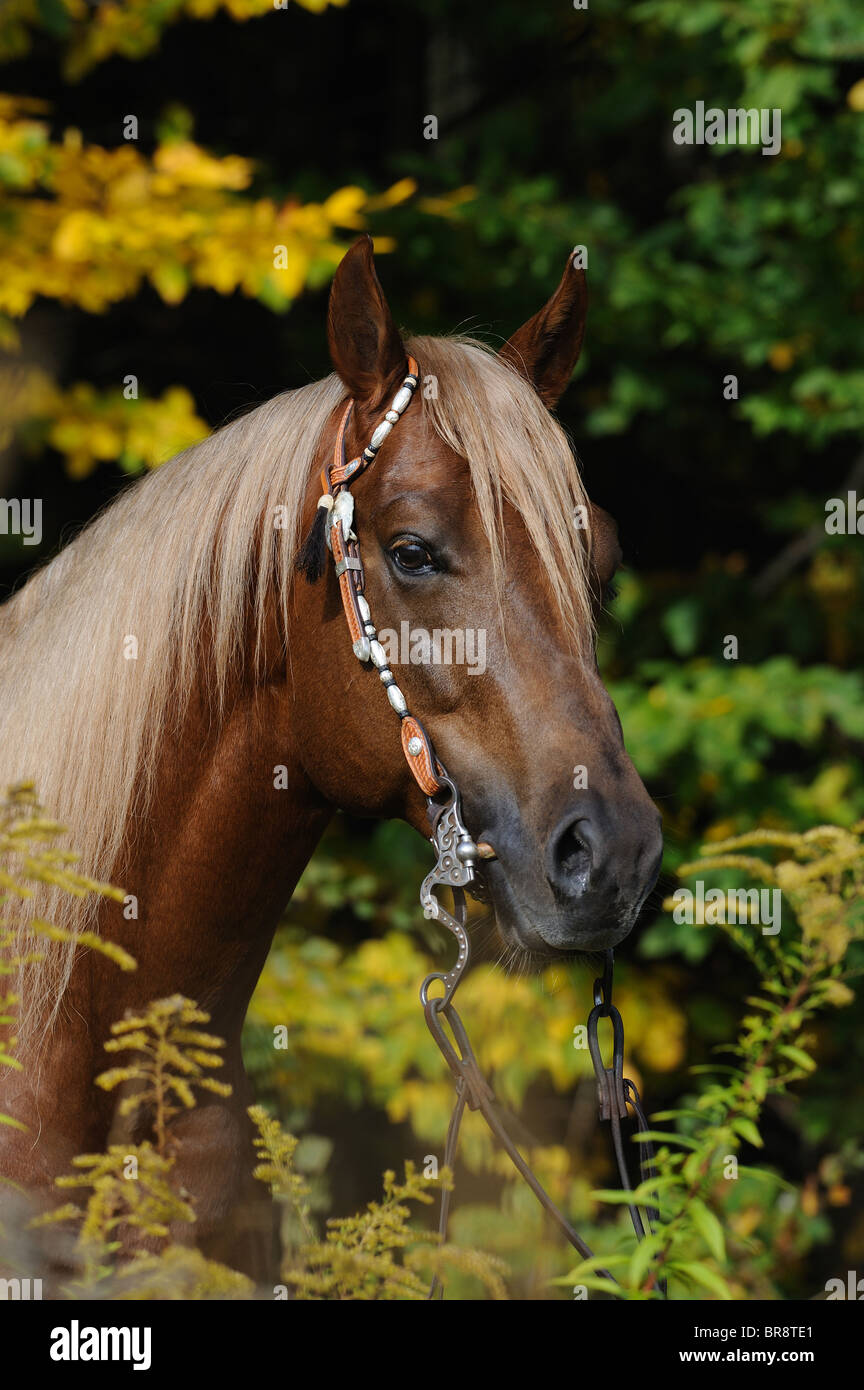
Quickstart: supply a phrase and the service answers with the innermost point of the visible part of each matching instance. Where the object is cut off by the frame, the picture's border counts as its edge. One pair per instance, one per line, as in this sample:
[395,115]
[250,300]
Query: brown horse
[191,707]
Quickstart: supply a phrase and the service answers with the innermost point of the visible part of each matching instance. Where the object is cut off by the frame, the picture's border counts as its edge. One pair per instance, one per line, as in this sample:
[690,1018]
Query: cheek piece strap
[456,851]
[342,542]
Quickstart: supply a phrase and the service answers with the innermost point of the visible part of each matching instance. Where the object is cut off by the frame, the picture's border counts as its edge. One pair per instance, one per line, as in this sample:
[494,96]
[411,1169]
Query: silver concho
[343,512]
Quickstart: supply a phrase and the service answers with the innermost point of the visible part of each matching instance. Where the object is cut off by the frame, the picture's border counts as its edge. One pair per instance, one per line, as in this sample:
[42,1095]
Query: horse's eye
[412,557]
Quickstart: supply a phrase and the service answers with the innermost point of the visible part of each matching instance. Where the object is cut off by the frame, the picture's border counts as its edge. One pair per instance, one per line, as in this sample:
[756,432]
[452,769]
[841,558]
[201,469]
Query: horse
[188,704]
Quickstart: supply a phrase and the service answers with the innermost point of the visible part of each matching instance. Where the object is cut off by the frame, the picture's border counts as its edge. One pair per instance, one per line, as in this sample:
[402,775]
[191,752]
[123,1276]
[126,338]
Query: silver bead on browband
[380,435]
[400,404]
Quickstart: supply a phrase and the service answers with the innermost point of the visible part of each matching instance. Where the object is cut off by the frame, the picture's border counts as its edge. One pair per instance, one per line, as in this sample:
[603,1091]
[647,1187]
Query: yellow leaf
[171,281]
[781,356]
[73,237]
[343,207]
[855,96]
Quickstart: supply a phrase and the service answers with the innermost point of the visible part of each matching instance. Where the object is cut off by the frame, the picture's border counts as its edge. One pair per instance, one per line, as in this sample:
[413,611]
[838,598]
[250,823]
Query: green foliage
[821,876]
[717,732]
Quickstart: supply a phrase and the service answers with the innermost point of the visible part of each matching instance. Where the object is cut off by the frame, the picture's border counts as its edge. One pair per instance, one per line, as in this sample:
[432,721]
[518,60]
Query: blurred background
[153,154]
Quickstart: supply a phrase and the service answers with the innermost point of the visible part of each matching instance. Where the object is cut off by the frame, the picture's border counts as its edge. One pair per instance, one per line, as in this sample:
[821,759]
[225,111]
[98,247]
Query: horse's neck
[233,822]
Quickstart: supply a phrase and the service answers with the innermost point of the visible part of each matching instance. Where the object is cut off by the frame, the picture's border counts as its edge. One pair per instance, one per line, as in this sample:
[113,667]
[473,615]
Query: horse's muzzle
[599,869]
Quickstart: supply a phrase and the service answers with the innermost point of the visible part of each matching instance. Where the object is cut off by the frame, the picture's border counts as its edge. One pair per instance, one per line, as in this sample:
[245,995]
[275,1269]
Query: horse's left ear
[365,346]
[547,347]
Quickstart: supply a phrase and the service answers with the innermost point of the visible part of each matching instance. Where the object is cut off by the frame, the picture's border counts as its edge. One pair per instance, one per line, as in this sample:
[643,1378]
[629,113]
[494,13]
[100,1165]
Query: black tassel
[312,556]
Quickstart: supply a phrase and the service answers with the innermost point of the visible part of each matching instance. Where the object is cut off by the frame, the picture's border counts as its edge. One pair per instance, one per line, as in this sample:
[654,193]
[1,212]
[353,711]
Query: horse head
[485,569]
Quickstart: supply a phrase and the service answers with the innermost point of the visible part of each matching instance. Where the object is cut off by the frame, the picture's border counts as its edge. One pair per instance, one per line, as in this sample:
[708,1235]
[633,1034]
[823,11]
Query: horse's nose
[597,851]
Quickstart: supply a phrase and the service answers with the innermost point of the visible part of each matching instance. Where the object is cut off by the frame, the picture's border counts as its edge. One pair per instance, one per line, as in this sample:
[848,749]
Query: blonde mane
[179,553]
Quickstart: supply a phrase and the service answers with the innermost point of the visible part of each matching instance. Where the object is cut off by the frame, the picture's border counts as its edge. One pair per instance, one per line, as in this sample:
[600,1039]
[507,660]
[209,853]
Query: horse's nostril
[571,858]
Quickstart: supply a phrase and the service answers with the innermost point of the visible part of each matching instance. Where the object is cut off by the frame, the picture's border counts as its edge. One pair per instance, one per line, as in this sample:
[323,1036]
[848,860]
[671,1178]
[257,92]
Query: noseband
[455,868]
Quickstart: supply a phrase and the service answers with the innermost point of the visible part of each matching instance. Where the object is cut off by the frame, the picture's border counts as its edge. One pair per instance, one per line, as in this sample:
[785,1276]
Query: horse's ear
[547,347]
[365,346]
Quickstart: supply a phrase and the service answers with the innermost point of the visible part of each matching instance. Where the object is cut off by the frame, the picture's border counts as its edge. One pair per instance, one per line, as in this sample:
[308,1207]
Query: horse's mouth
[479,888]
[554,931]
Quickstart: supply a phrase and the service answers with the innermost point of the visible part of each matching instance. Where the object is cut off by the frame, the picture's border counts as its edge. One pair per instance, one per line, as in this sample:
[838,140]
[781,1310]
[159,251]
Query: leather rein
[455,868]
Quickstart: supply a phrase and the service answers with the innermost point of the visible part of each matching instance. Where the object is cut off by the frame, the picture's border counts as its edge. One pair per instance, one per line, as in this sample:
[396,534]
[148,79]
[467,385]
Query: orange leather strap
[345,549]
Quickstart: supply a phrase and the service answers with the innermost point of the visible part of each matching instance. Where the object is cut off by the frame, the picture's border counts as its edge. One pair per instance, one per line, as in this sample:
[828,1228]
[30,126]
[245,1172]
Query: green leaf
[678,1114]
[705,1276]
[798,1056]
[681,624]
[55,17]
[759,1084]
[658,1136]
[767,1004]
[600,1286]
[763,1175]
[579,1273]
[748,1131]
[707,1225]
[648,1190]
[642,1257]
[613,1195]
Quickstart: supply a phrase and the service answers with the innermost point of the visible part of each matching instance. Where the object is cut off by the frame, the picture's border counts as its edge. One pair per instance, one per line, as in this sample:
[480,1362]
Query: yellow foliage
[130,1188]
[821,874]
[88,426]
[353,1026]
[449,203]
[855,96]
[130,28]
[88,226]
[171,1056]
[375,1255]
[781,356]
[28,855]
[179,1273]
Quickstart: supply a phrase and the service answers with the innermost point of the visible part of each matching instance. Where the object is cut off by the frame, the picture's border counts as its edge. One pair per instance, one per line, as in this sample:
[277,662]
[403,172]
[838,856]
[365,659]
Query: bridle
[455,868]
